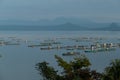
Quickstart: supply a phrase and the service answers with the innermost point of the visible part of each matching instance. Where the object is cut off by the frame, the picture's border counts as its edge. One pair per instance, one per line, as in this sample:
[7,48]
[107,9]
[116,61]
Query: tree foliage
[112,72]
[77,69]
[47,72]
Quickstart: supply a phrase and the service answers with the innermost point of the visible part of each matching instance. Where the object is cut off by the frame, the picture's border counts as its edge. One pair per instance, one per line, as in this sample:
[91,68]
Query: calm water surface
[18,61]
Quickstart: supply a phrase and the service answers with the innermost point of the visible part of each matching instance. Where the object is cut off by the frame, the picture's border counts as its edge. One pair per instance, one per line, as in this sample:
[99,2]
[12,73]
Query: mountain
[69,26]
[66,27]
[112,27]
[60,23]
[62,27]
[47,22]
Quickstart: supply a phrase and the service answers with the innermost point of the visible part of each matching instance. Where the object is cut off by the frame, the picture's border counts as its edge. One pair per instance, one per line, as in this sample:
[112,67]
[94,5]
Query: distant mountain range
[66,24]
[111,27]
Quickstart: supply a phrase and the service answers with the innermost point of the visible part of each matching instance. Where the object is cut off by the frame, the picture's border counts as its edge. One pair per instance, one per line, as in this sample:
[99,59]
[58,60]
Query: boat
[71,53]
[90,51]
[70,49]
[34,45]
[45,44]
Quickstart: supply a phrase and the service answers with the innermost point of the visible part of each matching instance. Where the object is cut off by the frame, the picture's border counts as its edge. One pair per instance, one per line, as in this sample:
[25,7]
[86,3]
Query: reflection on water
[18,60]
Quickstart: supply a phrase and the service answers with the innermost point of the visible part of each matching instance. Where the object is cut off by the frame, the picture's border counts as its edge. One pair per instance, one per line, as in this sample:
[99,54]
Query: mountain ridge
[58,24]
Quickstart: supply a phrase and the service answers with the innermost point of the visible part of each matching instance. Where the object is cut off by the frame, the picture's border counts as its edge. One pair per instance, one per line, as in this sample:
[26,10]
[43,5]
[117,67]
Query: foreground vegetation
[78,69]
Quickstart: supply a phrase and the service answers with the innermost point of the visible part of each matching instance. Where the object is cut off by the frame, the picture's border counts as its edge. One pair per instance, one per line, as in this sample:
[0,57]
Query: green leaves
[66,66]
[113,71]
[80,62]
[77,69]
[46,71]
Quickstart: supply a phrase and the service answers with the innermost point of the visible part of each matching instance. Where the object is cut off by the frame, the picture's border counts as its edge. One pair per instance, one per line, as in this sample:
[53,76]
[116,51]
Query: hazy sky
[40,9]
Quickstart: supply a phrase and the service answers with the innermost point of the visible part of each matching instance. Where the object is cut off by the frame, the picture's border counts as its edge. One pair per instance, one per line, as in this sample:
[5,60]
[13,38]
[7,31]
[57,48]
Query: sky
[50,9]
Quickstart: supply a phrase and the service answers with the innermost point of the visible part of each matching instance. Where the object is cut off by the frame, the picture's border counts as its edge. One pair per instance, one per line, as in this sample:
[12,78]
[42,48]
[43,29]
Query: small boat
[47,48]
[12,44]
[70,49]
[45,44]
[34,45]
[71,53]
[90,51]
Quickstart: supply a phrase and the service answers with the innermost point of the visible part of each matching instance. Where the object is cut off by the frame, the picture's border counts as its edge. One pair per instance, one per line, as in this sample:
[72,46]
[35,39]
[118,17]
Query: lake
[18,61]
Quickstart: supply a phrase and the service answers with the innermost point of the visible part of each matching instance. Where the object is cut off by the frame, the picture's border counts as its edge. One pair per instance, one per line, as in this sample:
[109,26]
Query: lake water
[18,61]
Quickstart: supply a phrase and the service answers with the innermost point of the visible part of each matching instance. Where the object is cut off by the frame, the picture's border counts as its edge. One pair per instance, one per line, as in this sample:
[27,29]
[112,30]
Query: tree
[77,69]
[47,72]
[112,72]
